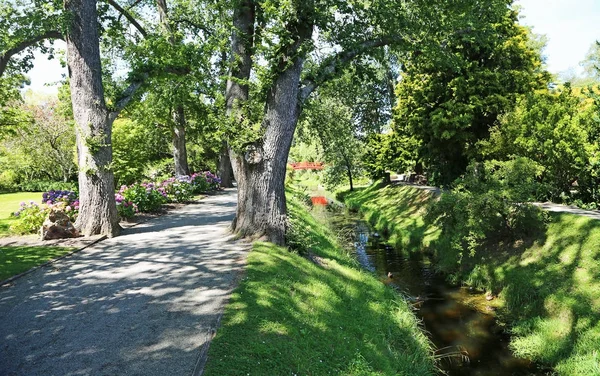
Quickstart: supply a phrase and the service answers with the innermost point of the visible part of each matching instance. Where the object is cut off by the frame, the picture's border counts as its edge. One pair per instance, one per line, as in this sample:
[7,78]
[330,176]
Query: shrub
[486,205]
[199,182]
[54,197]
[178,189]
[146,196]
[125,208]
[44,185]
[29,218]
[214,182]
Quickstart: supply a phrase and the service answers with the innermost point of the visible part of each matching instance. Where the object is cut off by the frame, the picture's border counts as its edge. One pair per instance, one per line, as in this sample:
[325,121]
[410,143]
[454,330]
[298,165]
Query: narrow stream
[460,322]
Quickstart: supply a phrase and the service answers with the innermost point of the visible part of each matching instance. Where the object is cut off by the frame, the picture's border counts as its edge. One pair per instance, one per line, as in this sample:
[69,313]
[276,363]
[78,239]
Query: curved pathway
[144,303]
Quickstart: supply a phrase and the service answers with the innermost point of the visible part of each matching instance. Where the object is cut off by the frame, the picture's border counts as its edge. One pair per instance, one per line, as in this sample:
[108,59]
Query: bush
[125,208]
[44,185]
[146,196]
[199,183]
[54,197]
[178,189]
[487,205]
[29,218]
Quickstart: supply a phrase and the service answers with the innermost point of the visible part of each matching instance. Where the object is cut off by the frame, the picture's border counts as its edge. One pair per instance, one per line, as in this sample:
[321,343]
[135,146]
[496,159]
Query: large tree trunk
[97,210]
[225,169]
[237,90]
[179,148]
[261,194]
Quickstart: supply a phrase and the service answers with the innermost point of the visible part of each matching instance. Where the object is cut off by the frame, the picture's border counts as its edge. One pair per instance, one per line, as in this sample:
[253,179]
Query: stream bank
[547,287]
[460,321]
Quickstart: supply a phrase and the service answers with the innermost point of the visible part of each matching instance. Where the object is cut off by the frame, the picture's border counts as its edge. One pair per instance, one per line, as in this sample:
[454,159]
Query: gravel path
[144,303]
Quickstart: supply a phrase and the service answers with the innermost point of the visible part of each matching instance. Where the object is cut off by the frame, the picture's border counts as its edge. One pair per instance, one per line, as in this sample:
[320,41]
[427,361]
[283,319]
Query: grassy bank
[548,285]
[295,316]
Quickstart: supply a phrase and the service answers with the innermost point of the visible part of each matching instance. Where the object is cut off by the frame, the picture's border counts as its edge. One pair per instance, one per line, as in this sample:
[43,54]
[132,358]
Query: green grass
[549,285]
[16,260]
[10,203]
[290,316]
[381,208]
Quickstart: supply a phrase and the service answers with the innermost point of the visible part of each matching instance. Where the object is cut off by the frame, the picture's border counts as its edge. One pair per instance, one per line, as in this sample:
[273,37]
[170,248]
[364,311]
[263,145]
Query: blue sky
[571,26]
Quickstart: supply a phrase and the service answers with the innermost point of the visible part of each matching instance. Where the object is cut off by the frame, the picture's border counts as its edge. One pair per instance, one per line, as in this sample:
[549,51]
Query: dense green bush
[29,218]
[178,189]
[488,205]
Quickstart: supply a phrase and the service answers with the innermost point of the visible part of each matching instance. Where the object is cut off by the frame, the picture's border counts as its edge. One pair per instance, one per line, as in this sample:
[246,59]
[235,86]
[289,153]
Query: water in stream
[461,323]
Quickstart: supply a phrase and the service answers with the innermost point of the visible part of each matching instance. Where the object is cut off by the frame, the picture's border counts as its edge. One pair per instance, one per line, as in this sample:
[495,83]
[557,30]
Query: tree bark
[261,196]
[98,210]
[225,169]
[179,148]
[237,90]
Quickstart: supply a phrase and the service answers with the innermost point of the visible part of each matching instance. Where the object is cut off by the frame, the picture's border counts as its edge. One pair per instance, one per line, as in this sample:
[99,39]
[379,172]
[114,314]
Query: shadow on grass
[16,260]
[552,293]
[292,316]
[550,281]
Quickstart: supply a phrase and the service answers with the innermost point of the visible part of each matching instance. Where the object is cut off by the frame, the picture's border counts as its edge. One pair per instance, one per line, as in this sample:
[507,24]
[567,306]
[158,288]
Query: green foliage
[126,209]
[46,185]
[450,97]
[178,190]
[389,152]
[557,130]
[135,145]
[41,148]
[29,218]
[290,315]
[328,122]
[488,205]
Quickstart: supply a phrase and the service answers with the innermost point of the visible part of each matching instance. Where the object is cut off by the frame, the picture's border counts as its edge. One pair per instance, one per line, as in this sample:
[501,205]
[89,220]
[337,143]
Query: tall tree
[98,211]
[449,98]
[78,24]
[274,39]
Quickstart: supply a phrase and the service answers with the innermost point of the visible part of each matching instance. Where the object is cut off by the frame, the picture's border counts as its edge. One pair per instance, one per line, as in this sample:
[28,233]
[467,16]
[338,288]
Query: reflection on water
[460,322]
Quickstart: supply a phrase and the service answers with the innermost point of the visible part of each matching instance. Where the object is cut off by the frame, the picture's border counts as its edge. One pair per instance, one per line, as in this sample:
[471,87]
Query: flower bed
[146,197]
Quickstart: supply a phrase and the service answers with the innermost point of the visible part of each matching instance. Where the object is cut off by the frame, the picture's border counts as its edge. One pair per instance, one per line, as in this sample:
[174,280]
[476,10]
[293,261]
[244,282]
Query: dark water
[460,321]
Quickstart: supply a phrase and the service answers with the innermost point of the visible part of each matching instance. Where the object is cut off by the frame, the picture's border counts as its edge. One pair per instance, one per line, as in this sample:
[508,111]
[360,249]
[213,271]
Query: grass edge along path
[15,260]
[292,316]
[549,287]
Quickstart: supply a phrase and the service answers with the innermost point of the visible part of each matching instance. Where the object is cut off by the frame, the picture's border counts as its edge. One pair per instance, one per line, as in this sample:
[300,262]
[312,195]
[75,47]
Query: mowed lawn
[10,203]
[16,260]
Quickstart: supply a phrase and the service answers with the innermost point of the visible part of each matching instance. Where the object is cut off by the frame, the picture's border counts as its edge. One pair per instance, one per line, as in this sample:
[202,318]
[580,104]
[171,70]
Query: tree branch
[129,17]
[7,55]
[330,66]
[127,96]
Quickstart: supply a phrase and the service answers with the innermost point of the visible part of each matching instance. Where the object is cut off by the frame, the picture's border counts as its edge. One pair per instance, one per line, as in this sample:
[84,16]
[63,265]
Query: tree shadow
[143,303]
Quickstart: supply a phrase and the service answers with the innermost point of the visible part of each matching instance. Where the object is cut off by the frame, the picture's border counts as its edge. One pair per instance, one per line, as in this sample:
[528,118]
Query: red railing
[307,165]
[319,200]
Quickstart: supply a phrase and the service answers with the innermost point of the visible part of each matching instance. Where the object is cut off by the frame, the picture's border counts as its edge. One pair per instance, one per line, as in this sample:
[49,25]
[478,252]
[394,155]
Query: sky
[572,26]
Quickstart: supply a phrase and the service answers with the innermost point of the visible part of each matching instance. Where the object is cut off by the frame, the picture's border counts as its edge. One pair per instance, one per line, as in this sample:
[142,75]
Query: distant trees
[41,147]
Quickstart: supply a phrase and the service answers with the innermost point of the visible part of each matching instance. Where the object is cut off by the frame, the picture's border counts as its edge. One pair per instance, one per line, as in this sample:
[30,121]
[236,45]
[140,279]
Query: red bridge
[307,165]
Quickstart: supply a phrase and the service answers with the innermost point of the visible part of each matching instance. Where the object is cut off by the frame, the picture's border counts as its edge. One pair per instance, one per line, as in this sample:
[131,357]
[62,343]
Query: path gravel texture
[144,303]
